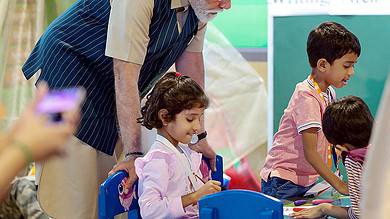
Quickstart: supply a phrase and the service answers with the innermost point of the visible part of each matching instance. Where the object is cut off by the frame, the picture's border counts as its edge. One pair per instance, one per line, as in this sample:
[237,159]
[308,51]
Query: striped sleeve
[354,172]
[351,215]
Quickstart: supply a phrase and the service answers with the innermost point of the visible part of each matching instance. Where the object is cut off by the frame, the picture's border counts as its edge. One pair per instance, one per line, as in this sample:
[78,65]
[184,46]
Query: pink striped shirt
[354,164]
[286,158]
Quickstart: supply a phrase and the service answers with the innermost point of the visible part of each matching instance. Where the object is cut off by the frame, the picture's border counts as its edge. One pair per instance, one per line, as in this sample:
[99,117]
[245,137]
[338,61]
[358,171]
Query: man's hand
[128,166]
[204,148]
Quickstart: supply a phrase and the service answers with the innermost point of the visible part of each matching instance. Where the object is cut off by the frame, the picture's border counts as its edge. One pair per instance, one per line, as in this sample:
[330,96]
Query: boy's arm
[309,138]
[335,211]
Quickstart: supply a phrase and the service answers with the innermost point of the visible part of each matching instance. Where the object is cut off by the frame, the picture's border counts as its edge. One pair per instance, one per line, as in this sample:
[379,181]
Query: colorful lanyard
[326,103]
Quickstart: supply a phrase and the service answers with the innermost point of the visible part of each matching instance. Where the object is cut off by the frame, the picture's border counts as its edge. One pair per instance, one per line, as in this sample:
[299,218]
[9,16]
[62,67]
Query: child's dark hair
[330,41]
[348,120]
[175,93]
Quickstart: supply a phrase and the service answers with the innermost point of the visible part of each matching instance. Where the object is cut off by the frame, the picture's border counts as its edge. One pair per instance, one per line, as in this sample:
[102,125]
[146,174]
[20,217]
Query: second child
[300,151]
[347,123]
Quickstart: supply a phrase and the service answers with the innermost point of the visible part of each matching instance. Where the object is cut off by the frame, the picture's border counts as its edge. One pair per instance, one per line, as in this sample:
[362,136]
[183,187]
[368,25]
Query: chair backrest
[240,204]
[109,202]
[217,175]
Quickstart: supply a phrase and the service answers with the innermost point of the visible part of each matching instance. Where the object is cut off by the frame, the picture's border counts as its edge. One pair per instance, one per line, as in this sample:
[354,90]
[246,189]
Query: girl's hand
[210,187]
[315,212]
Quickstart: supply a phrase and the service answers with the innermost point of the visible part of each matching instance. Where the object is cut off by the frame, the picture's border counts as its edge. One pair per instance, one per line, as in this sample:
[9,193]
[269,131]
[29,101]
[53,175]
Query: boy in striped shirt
[346,123]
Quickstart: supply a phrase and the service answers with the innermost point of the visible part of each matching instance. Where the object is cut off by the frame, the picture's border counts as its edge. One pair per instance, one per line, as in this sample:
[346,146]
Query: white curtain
[237,117]
[20,26]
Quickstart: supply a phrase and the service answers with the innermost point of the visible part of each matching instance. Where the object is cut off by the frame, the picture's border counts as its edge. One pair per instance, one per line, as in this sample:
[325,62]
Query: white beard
[200,8]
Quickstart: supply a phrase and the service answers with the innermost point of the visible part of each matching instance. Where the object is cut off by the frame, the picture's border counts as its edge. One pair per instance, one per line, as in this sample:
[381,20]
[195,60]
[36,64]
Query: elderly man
[116,50]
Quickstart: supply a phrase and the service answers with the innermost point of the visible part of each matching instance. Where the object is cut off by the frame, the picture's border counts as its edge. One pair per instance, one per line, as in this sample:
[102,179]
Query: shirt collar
[311,85]
[179,3]
[165,141]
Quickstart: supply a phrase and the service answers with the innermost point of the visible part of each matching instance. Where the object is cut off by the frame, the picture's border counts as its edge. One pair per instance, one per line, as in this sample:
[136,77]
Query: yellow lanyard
[320,93]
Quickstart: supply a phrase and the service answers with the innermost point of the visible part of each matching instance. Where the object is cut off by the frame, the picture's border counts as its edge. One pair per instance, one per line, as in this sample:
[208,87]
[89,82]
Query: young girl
[347,123]
[170,182]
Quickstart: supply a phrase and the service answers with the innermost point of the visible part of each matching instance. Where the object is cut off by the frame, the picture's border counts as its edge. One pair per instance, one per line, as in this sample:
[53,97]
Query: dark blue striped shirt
[71,52]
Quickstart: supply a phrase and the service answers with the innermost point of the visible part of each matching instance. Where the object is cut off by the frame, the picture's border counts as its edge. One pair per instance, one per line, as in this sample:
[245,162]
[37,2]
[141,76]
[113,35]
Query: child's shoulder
[158,153]
[155,158]
[304,90]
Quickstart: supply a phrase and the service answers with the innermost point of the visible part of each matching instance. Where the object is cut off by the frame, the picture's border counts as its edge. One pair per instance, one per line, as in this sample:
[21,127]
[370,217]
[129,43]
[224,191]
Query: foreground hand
[204,148]
[128,166]
[42,137]
[314,212]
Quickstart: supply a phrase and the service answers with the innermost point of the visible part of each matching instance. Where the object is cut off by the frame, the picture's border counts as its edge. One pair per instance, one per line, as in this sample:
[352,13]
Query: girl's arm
[309,138]
[210,187]
[321,210]
[189,199]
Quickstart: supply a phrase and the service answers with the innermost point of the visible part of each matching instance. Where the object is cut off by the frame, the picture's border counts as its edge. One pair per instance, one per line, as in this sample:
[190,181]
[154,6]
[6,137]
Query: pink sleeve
[307,113]
[154,199]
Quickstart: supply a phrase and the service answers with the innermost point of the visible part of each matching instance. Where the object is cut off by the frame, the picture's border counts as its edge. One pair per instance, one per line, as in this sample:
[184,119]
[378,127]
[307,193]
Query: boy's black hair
[348,120]
[175,93]
[331,41]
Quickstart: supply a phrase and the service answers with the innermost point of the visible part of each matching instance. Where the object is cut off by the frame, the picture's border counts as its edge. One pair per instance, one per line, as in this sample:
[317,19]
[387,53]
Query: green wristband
[26,151]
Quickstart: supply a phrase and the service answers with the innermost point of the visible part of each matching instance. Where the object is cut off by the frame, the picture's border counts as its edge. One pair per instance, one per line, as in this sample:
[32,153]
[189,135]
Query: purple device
[300,202]
[58,101]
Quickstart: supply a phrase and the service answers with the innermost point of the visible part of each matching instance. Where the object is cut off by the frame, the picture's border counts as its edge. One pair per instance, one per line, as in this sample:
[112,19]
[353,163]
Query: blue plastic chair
[109,203]
[240,204]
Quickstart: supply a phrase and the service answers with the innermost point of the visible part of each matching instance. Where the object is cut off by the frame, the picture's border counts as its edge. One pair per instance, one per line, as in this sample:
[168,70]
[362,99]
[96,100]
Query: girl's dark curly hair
[175,93]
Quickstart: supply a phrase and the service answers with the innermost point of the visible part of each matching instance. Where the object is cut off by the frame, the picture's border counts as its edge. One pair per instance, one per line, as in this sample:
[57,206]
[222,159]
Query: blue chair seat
[233,204]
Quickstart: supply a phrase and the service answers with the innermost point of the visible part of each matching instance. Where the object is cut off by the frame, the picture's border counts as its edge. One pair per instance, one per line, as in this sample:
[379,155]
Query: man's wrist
[202,135]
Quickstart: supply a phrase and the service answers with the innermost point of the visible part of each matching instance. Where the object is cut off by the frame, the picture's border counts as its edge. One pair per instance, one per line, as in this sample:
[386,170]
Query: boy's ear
[322,65]
[163,116]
